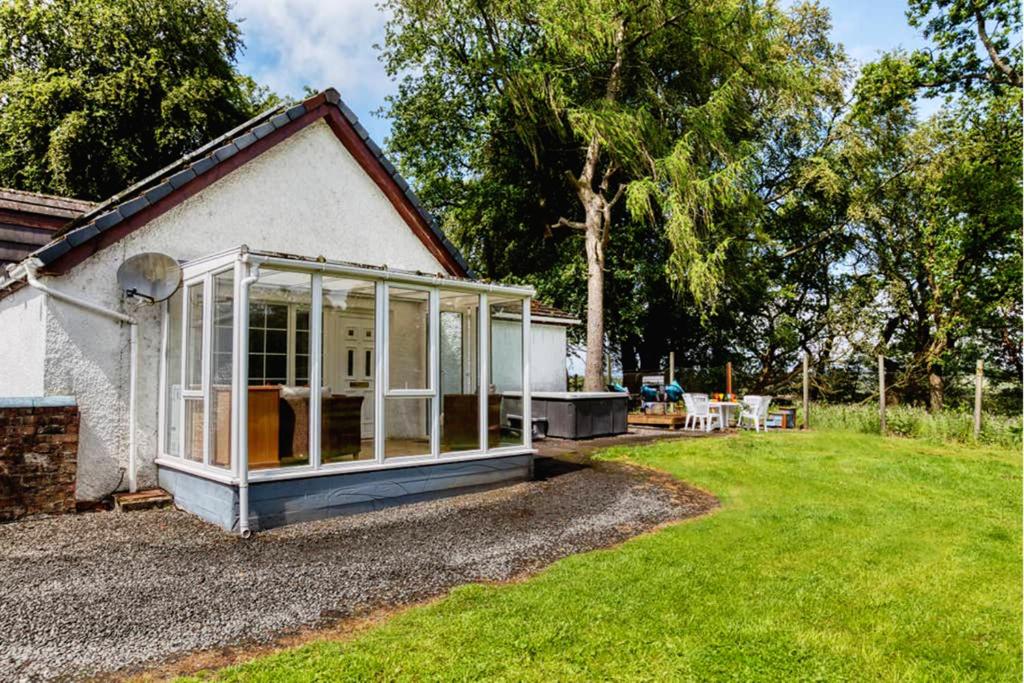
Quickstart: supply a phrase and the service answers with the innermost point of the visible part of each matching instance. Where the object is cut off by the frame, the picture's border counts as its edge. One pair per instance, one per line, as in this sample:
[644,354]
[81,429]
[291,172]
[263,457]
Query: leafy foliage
[95,94]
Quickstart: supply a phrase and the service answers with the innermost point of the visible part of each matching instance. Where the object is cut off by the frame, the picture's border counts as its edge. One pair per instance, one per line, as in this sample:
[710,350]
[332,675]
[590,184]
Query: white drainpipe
[133,343]
[243,403]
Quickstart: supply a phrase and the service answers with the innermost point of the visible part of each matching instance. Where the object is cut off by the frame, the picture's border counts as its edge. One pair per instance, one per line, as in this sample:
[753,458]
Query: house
[328,350]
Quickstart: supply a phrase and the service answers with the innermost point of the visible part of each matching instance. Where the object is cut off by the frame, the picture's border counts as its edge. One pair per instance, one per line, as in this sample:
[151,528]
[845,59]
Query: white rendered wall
[305,196]
[22,343]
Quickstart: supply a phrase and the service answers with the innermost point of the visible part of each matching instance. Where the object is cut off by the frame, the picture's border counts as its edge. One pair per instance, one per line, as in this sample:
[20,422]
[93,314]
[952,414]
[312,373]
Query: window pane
[278,404]
[277,316]
[257,335]
[504,413]
[194,341]
[409,338]
[407,427]
[347,430]
[460,406]
[223,367]
[276,341]
[194,429]
[172,377]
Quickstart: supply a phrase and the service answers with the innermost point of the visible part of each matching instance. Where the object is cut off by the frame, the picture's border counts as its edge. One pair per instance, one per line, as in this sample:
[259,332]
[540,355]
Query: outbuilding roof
[100,225]
[29,220]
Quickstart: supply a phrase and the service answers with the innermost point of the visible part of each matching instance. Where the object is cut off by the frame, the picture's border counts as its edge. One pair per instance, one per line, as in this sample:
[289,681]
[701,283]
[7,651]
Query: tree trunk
[593,377]
[935,388]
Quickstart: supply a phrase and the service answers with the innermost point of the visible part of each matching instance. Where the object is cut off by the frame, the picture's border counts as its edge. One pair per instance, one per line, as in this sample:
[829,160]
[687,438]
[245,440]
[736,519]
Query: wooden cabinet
[264,426]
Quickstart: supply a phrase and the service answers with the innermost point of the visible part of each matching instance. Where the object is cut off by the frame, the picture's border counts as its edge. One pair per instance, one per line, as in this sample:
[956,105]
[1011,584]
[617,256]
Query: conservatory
[296,388]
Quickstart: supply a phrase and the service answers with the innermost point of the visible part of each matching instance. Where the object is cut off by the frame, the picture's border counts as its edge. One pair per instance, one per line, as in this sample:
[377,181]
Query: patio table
[724,411]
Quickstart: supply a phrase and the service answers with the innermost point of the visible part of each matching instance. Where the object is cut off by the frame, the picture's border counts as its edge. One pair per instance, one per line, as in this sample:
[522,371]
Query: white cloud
[292,43]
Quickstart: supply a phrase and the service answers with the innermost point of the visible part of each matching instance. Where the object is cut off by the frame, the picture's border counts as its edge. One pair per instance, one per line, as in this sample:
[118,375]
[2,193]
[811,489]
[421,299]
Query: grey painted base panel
[212,501]
[276,503]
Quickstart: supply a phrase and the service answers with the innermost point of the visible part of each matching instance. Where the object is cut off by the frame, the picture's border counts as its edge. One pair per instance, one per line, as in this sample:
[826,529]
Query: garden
[835,556]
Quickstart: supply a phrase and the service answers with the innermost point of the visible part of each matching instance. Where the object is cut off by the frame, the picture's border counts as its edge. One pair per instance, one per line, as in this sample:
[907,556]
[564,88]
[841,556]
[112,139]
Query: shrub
[913,422]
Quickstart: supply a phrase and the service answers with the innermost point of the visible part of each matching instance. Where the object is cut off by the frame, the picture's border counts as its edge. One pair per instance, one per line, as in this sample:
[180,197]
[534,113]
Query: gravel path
[93,593]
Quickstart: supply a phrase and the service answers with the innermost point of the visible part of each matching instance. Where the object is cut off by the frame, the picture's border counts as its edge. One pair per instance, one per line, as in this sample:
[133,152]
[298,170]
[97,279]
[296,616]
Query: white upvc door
[350,369]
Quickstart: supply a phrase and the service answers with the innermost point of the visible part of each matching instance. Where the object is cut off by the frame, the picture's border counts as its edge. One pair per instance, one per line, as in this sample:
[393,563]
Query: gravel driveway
[93,593]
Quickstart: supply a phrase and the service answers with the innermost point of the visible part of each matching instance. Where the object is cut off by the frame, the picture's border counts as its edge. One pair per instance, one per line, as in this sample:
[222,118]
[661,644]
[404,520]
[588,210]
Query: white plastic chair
[754,410]
[698,412]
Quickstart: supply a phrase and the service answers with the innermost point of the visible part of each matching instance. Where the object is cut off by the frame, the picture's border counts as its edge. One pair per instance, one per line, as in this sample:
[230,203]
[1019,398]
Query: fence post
[881,392]
[807,394]
[979,377]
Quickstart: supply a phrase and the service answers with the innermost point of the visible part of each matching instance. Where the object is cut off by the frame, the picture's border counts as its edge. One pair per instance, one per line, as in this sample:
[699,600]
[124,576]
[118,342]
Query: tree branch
[566,223]
[993,54]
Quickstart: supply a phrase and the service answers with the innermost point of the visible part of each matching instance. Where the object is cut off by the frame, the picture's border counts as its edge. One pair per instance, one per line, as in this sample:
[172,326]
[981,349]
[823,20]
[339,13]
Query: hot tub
[575,414]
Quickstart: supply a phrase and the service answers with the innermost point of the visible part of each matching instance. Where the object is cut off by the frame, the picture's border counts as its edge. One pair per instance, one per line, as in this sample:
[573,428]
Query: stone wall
[38,456]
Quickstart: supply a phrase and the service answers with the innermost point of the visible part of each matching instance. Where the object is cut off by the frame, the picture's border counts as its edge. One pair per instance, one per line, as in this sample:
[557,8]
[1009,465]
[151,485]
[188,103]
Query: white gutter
[29,267]
[243,403]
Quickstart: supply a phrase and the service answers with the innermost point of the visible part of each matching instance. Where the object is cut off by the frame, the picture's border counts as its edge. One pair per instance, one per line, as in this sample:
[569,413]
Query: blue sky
[321,43]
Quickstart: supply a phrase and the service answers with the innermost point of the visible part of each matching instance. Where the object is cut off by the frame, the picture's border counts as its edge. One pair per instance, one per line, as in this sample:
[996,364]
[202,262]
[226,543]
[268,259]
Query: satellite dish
[150,276]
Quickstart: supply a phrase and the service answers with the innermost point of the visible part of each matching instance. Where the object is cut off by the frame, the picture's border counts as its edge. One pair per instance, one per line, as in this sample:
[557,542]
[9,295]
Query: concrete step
[142,500]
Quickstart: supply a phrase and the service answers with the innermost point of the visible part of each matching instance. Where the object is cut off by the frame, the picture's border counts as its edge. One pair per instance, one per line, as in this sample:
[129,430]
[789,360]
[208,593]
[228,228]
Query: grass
[945,426]
[835,556]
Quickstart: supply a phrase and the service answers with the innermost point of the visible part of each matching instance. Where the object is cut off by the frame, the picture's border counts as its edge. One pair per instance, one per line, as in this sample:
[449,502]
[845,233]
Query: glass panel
[223,366]
[408,338]
[278,403]
[194,429]
[460,395]
[407,425]
[302,346]
[172,377]
[194,339]
[347,428]
[504,420]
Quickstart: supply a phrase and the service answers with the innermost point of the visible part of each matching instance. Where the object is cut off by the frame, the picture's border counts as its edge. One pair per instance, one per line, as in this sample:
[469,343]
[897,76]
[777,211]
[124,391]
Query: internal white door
[349,369]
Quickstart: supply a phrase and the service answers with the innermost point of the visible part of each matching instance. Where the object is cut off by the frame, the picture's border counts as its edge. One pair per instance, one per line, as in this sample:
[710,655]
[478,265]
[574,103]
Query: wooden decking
[673,421]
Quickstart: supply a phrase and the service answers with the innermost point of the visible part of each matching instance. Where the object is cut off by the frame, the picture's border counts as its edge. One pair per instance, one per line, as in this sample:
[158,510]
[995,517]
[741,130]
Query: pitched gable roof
[129,210]
[29,220]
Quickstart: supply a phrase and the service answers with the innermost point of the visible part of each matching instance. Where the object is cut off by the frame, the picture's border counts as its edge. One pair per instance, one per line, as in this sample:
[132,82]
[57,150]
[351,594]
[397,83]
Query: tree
[96,94]
[936,211]
[597,96]
[977,45]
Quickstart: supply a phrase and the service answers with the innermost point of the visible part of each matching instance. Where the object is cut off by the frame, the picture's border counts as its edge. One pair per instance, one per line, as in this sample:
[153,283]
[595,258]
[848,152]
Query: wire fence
[871,395]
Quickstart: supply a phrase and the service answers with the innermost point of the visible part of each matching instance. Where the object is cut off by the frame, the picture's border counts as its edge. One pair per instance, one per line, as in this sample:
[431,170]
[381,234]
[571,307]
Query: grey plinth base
[276,503]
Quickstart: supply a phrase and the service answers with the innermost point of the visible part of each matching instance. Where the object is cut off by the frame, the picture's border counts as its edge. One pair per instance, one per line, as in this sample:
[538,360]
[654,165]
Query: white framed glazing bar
[380,330]
[434,356]
[315,369]
[527,408]
[239,348]
[484,367]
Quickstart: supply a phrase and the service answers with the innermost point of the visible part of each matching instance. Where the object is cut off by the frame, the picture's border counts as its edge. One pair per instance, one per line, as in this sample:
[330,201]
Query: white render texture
[305,196]
[22,334]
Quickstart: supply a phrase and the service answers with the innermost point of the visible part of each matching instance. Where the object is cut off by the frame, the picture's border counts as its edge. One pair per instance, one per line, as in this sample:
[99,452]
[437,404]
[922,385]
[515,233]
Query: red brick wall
[38,460]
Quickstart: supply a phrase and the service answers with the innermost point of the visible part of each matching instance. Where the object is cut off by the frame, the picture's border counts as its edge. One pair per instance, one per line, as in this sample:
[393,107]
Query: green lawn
[834,556]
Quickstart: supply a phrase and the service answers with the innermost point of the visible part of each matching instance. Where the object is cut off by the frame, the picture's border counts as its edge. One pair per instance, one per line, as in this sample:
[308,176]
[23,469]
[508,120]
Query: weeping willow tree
[653,111]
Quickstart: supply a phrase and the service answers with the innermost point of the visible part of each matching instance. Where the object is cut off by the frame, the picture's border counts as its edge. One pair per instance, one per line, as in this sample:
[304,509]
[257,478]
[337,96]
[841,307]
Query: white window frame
[202,271]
